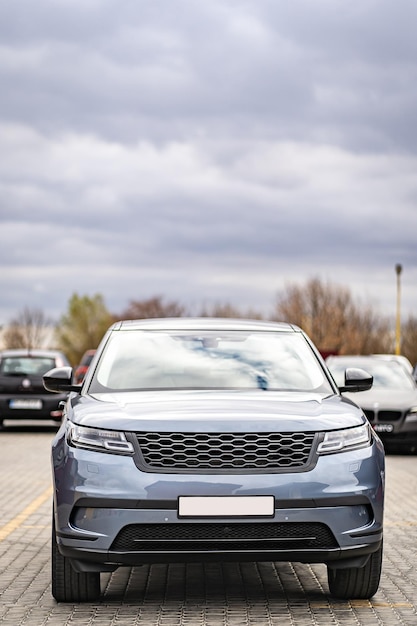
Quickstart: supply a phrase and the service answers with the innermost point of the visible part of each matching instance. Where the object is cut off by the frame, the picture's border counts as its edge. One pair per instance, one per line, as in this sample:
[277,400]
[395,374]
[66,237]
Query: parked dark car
[81,369]
[22,393]
[213,440]
[391,404]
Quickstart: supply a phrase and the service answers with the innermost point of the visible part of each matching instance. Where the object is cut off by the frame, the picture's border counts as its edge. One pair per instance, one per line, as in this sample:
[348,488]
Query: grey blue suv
[213,440]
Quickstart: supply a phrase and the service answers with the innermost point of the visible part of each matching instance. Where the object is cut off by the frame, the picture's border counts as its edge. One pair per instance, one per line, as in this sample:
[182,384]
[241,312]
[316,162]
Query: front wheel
[69,585]
[356,582]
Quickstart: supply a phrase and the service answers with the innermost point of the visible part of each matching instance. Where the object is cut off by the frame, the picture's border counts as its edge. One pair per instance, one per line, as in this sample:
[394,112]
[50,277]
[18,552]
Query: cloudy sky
[207,151]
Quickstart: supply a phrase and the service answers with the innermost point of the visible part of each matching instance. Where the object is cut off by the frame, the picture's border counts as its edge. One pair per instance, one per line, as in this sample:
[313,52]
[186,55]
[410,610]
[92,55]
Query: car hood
[212,411]
[387,399]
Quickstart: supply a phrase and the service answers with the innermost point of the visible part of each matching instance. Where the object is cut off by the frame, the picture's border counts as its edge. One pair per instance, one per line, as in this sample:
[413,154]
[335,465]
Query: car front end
[174,473]
[148,494]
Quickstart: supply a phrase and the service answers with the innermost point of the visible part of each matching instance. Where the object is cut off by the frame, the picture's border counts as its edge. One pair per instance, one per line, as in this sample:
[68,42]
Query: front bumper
[302,541]
[403,433]
[46,407]
[331,514]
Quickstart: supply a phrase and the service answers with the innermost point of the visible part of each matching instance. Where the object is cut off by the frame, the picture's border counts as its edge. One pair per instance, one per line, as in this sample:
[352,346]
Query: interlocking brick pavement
[249,594]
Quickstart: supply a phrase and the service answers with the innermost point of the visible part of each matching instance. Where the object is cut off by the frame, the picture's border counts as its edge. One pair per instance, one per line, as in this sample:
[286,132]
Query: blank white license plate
[226,506]
[26,404]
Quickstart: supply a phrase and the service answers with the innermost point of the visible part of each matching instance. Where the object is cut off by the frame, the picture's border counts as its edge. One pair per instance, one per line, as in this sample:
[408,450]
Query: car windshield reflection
[232,360]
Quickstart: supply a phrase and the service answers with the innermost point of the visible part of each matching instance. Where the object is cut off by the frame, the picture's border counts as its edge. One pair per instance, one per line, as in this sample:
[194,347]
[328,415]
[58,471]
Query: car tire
[356,582]
[69,585]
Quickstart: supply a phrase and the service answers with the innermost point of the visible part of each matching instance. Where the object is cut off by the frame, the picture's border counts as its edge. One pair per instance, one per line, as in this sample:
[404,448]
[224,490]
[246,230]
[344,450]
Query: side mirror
[357,379]
[59,379]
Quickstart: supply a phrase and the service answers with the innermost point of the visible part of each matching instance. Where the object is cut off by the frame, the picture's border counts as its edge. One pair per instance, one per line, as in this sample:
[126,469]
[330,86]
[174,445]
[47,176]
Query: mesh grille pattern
[225,451]
[227,537]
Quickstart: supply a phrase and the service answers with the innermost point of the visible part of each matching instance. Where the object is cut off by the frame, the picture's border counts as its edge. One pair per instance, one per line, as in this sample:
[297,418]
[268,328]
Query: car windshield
[26,365]
[144,360]
[387,374]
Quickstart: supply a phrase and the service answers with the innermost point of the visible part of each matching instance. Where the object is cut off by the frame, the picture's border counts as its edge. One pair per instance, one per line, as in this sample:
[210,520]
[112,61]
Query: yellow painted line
[359,604]
[393,605]
[17,521]
[379,605]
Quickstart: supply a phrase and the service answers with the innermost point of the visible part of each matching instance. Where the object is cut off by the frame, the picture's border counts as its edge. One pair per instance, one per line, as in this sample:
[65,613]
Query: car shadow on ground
[216,584]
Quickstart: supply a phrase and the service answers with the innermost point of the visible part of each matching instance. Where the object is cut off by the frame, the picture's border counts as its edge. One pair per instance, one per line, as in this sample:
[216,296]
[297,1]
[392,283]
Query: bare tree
[334,322]
[151,308]
[30,329]
[228,310]
[409,339]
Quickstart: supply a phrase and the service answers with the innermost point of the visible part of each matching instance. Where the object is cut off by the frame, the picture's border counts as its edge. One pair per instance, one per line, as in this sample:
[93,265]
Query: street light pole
[398,270]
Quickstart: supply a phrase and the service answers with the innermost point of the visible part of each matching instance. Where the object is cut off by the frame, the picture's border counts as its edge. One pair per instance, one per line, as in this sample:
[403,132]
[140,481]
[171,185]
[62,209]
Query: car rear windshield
[26,365]
[144,360]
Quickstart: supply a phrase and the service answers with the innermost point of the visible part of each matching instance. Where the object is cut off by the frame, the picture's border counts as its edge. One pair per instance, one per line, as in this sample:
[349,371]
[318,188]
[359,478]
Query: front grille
[223,537]
[389,416]
[225,451]
[383,416]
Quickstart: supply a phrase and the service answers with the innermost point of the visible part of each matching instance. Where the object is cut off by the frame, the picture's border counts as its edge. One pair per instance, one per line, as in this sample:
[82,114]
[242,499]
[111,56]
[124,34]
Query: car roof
[396,357]
[357,357]
[30,352]
[354,357]
[90,352]
[362,360]
[204,323]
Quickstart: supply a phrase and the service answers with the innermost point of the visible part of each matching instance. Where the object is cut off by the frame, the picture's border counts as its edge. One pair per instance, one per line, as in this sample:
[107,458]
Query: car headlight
[411,415]
[98,439]
[344,440]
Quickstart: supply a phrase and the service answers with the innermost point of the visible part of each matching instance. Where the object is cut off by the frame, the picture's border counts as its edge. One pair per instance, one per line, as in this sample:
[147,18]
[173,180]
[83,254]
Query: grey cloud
[196,64]
[205,150]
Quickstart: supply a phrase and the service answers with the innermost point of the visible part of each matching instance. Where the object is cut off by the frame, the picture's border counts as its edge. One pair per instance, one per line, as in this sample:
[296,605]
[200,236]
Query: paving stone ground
[235,594]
